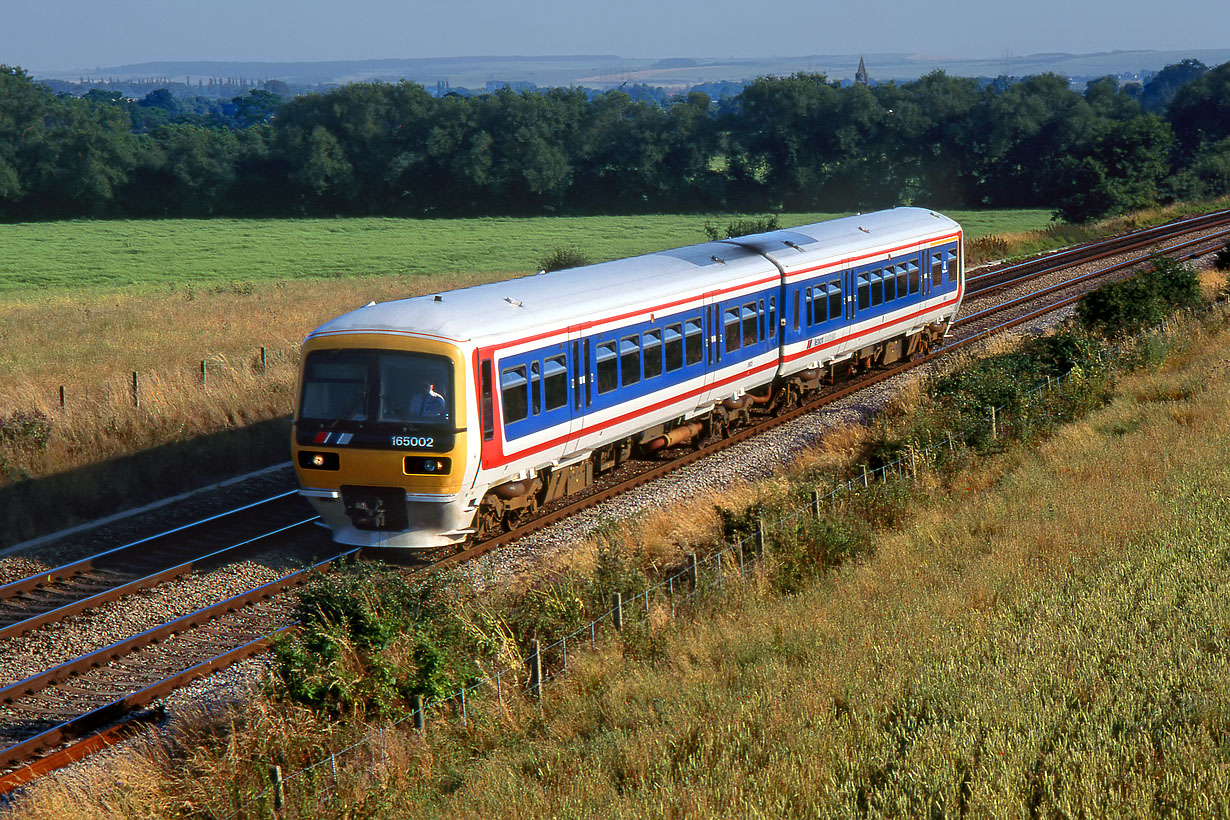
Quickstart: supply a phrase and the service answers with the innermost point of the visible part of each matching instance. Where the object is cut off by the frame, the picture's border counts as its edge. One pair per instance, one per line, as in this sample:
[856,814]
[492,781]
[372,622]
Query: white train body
[549,379]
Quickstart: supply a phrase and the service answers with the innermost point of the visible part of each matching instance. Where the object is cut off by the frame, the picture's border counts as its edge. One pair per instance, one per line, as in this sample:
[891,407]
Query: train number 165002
[415,442]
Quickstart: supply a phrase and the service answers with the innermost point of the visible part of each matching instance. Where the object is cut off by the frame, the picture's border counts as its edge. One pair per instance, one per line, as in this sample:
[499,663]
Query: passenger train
[427,421]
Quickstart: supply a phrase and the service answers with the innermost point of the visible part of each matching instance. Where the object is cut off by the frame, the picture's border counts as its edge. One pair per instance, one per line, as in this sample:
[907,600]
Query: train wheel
[487,521]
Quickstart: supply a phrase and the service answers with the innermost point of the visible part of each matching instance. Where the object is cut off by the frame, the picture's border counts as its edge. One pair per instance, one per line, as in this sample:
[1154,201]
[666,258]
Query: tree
[1200,111]
[1162,88]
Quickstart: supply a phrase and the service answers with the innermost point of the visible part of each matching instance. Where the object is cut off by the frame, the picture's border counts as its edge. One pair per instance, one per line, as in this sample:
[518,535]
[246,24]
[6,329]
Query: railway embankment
[1022,611]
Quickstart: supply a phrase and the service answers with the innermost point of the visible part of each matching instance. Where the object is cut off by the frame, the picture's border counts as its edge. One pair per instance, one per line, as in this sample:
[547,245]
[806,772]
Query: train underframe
[508,505]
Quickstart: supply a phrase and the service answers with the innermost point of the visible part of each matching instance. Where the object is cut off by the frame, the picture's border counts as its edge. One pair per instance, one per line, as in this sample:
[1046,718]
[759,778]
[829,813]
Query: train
[431,421]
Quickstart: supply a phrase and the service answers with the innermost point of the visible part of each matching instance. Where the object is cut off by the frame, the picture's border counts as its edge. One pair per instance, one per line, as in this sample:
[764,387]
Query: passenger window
[751,324]
[731,322]
[864,292]
[797,314]
[608,367]
[674,347]
[630,360]
[890,285]
[694,341]
[952,266]
[555,383]
[536,387]
[834,295]
[772,317]
[937,268]
[901,281]
[913,277]
[488,415]
[653,353]
[513,394]
[811,308]
[877,289]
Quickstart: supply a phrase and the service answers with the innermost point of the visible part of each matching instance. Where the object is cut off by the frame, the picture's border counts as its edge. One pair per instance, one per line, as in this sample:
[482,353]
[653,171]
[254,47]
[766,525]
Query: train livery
[426,421]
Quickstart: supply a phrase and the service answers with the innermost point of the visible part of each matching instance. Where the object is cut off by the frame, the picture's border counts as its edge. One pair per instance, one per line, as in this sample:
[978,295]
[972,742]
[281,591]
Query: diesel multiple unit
[425,421]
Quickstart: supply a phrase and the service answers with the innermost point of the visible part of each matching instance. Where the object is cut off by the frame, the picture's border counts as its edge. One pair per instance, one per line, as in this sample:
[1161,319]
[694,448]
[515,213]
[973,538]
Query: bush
[1122,308]
[563,259]
[1222,257]
[742,227]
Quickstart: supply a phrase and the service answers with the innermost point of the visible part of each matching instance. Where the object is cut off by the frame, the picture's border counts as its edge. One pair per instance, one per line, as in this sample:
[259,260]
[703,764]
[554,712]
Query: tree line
[783,143]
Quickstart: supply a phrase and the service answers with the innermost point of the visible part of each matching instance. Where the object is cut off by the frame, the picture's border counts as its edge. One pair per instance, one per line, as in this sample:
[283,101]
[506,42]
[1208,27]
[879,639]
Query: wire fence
[700,575]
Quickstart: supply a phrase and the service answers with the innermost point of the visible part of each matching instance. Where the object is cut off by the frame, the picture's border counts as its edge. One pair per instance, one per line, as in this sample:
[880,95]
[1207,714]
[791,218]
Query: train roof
[555,300]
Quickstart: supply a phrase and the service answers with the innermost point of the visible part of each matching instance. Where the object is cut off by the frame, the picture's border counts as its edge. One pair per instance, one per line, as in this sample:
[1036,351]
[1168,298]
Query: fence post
[136,396]
[617,611]
[61,397]
[815,504]
[864,475]
[760,537]
[536,671]
[719,570]
[994,429]
[262,360]
[563,642]
[740,546]
[692,575]
[416,704]
[463,704]
[279,794]
[333,765]
[202,372]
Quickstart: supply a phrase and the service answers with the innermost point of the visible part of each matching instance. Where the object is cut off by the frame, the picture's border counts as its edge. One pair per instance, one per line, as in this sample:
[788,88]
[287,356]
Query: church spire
[861,77]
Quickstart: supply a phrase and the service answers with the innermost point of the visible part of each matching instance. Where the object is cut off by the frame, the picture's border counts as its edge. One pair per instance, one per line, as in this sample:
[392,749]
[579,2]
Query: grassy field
[1042,635]
[158,255]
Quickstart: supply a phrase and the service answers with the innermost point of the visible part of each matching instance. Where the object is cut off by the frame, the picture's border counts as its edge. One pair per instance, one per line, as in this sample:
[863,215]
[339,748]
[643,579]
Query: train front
[379,442]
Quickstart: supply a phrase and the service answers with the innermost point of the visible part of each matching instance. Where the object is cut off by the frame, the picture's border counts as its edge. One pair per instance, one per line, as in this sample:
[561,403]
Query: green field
[143,255]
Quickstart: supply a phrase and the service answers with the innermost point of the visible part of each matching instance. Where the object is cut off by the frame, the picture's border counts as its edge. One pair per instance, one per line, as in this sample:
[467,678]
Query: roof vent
[437,298]
[790,244]
[864,230]
[512,301]
[371,304]
[718,259]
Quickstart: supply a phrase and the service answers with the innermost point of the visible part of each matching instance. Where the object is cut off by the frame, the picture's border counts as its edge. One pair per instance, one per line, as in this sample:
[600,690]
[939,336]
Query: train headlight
[313,460]
[420,465]
[318,460]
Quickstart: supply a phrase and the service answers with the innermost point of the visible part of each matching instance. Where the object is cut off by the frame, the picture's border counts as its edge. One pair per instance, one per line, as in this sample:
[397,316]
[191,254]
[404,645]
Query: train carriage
[425,421]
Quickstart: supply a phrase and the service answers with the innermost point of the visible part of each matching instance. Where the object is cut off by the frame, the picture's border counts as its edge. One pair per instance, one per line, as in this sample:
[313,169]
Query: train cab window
[772,317]
[653,353]
[674,347]
[555,383]
[513,394]
[487,410]
[902,281]
[693,341]
[630,360]
[913,274]
[834,294]
[890,284]
[730,321]
[608,367]
[877,288]
[864,291]
[535,388]
[751,324]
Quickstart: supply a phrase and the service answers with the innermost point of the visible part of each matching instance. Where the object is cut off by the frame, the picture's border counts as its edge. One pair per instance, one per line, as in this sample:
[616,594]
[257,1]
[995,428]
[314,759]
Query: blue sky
[45,35]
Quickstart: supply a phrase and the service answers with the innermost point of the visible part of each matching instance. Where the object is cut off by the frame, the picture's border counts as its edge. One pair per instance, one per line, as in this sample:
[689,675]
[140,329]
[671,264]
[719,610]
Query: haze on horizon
[59,35]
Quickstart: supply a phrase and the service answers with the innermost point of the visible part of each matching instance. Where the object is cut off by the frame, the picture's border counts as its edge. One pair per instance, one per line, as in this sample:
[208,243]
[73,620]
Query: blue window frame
[513,394]
[555,383]
[629,360]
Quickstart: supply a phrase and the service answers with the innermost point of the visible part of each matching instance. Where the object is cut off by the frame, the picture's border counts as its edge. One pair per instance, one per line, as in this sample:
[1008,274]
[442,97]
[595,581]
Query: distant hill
[607,70]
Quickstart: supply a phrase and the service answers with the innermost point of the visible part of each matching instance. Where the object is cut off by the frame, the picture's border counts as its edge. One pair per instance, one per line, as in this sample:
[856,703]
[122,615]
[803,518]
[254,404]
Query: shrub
[563,259]
[1122,308]
[1222,257]
[742,227]
[29,429]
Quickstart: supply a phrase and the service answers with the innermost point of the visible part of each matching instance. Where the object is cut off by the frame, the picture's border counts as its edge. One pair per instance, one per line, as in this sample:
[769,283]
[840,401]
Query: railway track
[42,714]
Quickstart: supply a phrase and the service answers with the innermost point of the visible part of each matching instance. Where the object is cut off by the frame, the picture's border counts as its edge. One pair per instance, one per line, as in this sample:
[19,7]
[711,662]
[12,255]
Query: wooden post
[202,372]
[617,611]
[864,475]
[740,547]
[563,650]
[994,428]
[416,704]
[136,395]
[536,671]
[279,794]
[760,537]
[463,704]
[719,570]
[263,360]
[692,573]
[61,397]
[333,765]
[815,504]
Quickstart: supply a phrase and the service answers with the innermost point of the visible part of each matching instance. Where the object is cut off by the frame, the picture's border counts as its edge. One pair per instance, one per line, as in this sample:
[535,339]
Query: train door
[578,385]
